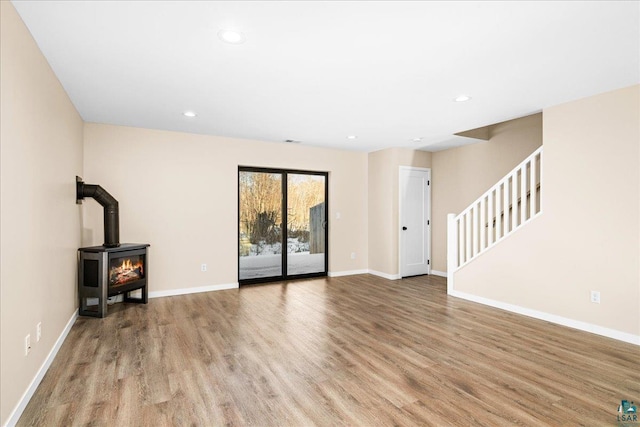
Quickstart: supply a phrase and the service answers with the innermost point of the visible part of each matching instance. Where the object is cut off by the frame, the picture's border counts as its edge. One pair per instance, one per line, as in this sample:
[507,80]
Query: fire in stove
[129,270]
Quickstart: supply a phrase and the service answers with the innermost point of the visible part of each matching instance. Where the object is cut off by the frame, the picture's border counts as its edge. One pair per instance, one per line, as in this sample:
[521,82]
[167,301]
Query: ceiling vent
[292,141]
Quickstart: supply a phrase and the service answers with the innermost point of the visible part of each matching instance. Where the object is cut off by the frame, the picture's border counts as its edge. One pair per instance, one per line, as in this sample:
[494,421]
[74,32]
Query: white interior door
[415,221]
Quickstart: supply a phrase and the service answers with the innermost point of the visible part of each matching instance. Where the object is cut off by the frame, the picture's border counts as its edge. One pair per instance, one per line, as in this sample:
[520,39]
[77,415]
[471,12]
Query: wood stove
[113,268]
[104,272]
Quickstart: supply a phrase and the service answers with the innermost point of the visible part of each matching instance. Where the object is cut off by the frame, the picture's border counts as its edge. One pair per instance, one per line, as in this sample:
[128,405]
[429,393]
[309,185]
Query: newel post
[452,250]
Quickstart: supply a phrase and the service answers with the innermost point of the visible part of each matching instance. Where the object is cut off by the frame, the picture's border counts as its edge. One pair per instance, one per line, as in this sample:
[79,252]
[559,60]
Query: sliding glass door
[282,224]
[260,224]
[306,224]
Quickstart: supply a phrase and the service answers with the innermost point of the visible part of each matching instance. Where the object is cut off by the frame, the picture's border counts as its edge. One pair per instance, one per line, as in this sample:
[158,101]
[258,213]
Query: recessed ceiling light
[462,98]
[189,114]
[417,139]
[232,37]
[352,137]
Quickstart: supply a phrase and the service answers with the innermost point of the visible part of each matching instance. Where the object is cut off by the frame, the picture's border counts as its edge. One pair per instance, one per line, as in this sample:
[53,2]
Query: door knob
[404,228]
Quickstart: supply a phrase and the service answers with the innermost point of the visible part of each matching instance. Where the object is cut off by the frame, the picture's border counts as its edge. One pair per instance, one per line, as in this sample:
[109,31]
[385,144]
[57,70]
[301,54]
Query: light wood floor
[357,350]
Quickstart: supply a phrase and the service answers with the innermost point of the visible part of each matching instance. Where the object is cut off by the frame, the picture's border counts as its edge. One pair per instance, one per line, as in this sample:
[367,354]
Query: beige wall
[383,204]
[461,175]
[40,154]
[587,237]
[178,192]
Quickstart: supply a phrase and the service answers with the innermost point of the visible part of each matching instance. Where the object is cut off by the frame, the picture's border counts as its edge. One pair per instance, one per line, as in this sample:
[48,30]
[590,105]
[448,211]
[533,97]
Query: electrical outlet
[353,255]
[595,297]
[203,267]
[27,344]
[38,331]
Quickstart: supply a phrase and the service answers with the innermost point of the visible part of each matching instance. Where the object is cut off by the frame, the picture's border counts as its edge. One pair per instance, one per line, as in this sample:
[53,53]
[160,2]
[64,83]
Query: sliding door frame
[284,173]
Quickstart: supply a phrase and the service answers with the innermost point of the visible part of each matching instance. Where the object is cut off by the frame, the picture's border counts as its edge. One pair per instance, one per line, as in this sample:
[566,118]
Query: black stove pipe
[111,211]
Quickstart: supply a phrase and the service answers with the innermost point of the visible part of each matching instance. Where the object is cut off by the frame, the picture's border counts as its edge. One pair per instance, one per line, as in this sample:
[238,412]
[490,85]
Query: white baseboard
[439,273]
[28,394]
[575,324]
[385,275]
[185,291]
[346,273]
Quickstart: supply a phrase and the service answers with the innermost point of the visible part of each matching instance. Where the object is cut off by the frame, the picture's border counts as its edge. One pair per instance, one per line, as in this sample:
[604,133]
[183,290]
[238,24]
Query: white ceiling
[318,71]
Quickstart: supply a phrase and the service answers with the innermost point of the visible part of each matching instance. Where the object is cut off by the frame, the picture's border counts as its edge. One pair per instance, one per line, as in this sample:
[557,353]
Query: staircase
[500,211]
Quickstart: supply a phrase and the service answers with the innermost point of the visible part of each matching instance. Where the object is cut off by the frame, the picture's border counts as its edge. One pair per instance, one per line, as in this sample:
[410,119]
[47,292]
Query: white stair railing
[505,207]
